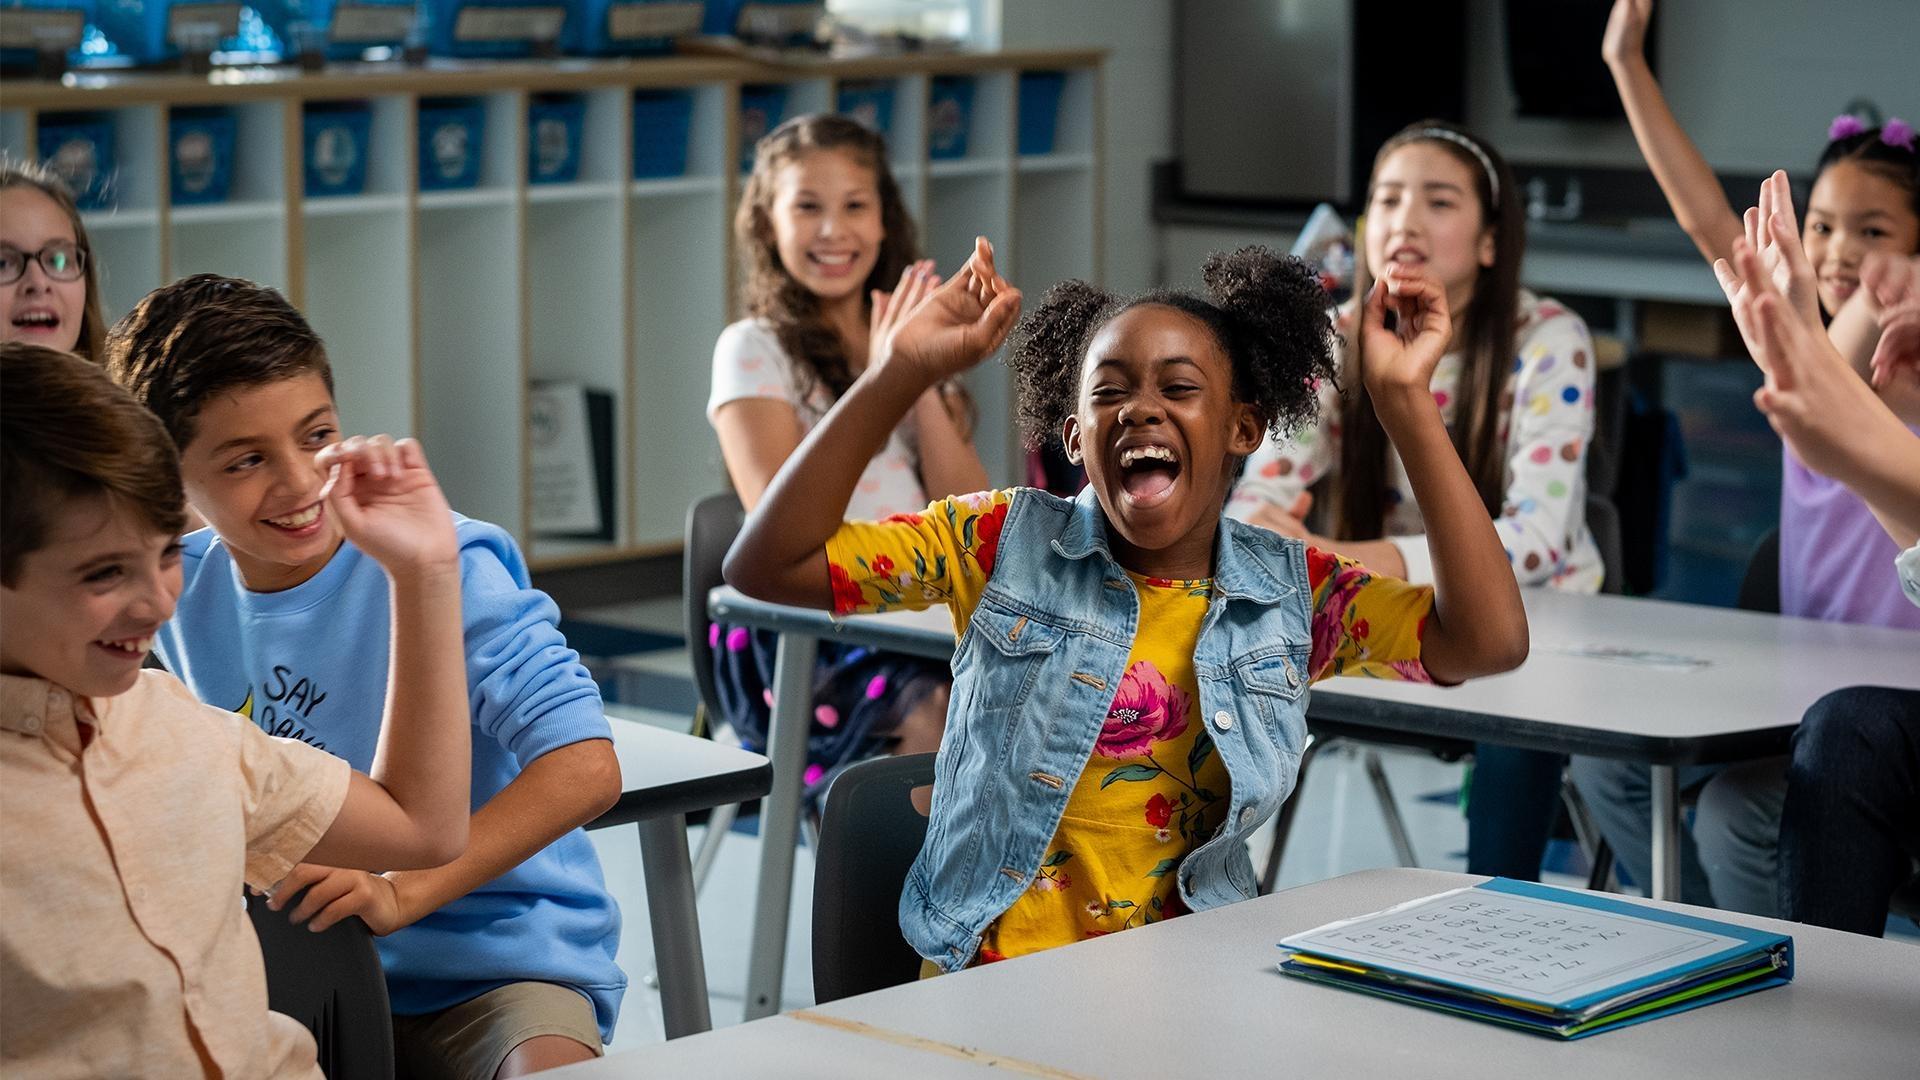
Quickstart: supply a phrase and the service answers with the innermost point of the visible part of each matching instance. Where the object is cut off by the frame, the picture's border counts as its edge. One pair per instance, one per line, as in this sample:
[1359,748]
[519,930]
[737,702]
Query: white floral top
[1543,523]
[1908,565]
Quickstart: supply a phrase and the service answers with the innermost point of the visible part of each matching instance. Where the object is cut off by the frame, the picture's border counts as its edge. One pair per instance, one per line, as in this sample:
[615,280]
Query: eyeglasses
[61,260]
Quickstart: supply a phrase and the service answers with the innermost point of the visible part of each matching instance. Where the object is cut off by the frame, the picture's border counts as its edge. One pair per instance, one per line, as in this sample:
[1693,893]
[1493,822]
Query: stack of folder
[1551,961]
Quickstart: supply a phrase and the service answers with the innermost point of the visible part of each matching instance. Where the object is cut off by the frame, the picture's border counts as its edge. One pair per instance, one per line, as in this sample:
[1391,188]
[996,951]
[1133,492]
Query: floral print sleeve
[942,555]
[1544,514]
[1363,624]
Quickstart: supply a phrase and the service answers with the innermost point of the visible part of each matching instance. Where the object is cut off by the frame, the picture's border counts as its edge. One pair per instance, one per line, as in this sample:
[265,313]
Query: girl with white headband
[1516,390]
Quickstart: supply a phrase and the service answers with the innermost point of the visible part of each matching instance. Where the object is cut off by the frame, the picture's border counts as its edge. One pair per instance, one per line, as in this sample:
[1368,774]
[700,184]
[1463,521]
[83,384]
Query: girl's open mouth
[1148,473]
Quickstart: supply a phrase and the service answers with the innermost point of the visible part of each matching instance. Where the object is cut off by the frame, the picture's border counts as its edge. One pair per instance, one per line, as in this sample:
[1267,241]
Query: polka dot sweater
[1546,420]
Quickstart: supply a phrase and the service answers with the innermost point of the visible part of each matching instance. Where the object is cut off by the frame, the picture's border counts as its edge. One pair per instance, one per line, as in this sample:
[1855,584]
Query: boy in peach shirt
[132,813]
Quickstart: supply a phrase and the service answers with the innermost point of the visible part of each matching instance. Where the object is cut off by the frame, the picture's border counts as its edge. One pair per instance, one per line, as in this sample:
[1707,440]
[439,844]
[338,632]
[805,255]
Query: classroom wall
[1139,109]
[1755,82]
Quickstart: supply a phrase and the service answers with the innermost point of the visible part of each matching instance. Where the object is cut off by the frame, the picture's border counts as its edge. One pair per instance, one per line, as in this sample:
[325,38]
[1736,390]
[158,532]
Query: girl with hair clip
[1864,201]
[1515,389]
[49,283]
[1131,675]
[824,233]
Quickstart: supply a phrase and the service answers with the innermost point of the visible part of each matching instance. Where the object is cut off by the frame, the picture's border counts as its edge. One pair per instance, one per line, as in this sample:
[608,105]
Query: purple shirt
[1836,562]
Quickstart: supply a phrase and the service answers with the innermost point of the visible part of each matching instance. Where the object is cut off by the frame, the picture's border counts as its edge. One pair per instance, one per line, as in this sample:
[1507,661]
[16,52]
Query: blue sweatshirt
[311,663]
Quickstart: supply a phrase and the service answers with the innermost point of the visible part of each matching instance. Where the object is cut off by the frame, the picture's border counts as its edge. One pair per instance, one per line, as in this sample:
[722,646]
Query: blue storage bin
[335,136]
[554,122]
[662,124]
[871,103]
[628,27]
[28,58]
[1040,93]
[79,147]
[200,151]
[949,116]
[137,30]
[762,107]
[367,24]
[724,18]
[451,141]
[442,18]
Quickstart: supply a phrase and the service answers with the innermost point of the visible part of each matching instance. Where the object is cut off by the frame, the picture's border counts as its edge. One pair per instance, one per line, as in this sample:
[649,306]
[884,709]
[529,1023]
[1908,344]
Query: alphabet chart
[1513,946]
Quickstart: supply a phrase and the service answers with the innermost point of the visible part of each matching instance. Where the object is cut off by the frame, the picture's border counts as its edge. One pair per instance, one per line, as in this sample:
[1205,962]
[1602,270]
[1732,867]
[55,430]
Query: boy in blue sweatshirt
[501,962]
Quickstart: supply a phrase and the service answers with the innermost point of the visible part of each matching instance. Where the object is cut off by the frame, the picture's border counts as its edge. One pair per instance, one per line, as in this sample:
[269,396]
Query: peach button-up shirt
[124,946]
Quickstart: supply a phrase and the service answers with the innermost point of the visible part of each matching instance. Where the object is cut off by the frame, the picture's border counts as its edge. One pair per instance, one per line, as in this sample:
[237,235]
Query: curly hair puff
[1268,314]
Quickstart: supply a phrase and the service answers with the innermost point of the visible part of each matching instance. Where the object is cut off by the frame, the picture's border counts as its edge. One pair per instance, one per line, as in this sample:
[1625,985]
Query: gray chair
[869,836]
[712,523]
[332,983]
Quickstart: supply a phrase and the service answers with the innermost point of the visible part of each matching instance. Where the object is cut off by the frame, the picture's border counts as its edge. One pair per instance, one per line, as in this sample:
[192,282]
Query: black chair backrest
[869,837]
[1760,588]
[1603,520]
[332,983]
[712,523]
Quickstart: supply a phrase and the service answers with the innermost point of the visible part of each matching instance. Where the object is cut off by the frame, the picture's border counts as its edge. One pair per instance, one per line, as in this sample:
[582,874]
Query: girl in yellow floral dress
[1129,692]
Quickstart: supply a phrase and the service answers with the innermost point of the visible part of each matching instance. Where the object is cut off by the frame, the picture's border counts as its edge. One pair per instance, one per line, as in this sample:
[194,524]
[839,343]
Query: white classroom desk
[1758,675]
[1200,996]
[664,776]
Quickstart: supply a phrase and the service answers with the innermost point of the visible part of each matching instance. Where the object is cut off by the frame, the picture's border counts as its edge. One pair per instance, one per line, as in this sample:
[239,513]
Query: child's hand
[1285,520]
[1401,361]
[890,310]
[1824,411]
[1772,232]
[1626,37]
[337,893]
[389,504]
[960,324]
[1894,283]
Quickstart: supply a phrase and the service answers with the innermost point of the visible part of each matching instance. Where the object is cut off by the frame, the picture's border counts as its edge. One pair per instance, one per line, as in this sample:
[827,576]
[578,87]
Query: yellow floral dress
[1154,789]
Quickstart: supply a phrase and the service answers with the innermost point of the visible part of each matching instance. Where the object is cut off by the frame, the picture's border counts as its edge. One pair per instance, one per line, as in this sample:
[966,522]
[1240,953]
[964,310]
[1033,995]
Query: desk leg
[1666,833]
[675,918]
[780,820]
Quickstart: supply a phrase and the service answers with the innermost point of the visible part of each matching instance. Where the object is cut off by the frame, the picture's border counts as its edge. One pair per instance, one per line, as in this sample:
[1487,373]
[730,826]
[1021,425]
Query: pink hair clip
[1844,126]
[1897,132]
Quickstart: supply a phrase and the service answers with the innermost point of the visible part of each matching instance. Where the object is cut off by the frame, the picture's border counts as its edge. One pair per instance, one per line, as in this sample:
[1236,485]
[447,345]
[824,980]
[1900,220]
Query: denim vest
[1034,675]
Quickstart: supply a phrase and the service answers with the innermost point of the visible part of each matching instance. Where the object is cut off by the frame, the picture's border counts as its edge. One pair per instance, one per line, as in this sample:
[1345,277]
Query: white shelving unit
[441,308]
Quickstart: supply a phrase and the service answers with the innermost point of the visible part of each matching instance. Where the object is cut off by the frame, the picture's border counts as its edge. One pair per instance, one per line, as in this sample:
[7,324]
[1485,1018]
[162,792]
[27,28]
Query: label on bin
[777,20]
[628,22]
[201,27]
[371,23]
[45,30]
[509,23]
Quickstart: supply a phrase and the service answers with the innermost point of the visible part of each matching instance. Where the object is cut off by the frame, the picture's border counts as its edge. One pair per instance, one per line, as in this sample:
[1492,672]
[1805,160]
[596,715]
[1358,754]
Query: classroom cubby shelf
[441,308]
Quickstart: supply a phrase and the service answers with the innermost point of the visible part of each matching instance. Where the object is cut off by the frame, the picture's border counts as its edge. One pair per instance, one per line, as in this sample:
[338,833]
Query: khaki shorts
[470,1040]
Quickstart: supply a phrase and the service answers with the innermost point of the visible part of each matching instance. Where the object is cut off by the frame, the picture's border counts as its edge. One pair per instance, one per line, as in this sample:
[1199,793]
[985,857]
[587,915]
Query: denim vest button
[1246,817]
[1223,720]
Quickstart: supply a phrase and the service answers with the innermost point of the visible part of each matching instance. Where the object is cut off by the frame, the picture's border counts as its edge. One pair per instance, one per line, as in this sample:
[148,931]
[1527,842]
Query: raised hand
[1403,358]
[1894,281]
[1826,414]
[959,324]
[890,309]
[389,504]
[1626,35]
[1774,238]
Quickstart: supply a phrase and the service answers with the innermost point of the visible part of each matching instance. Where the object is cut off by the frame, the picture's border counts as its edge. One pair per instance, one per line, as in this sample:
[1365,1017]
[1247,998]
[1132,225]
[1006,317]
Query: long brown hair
[819,356]
[40,178]
[1360,488]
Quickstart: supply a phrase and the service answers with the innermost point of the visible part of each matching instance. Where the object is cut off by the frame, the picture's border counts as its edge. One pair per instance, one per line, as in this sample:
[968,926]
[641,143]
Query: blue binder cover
[1549,960]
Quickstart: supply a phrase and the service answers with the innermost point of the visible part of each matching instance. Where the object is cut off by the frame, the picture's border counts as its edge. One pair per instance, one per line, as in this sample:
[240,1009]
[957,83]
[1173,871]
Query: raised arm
[411,810]
[1478,626]
[779,555]
[949,463]
[1692,190]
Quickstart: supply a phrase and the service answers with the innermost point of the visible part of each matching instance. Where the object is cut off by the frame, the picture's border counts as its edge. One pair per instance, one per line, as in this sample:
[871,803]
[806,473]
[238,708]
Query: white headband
[1493,178]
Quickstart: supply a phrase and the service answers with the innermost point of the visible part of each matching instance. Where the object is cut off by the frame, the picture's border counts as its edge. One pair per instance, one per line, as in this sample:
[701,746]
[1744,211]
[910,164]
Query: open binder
[1551,961]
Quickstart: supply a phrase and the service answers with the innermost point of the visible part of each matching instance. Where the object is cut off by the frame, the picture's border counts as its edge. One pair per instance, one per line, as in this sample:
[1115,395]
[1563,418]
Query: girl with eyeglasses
[49,285]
